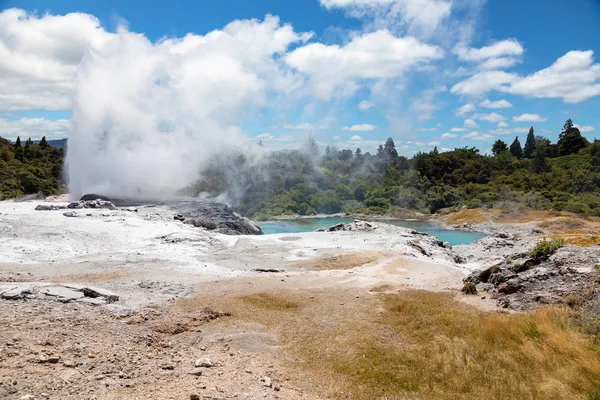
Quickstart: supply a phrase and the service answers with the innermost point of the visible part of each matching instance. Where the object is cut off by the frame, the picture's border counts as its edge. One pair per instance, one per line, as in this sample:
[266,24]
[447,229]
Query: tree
[44,143]
[389,149]
[311,146]
[499,147]
[358,152]
[515,149]
[539,160]
[571,142]
[435,151]
[19,152]
[529,144]
[566,128]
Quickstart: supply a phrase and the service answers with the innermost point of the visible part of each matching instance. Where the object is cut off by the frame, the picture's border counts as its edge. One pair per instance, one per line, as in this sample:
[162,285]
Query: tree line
[540,175]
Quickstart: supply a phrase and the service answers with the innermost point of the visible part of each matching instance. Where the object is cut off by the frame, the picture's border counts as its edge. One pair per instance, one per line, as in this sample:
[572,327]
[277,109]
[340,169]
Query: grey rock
[92,301]
[195,372]
[27,397]
[49,207]
[62,293]
[95,292]
[18,292]
[204,363]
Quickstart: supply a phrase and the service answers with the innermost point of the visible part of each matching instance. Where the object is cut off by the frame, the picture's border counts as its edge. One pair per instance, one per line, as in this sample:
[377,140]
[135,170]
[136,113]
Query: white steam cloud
[147,116]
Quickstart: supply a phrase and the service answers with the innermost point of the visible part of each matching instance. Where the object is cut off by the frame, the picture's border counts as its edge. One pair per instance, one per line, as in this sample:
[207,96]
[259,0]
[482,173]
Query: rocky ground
[122,302]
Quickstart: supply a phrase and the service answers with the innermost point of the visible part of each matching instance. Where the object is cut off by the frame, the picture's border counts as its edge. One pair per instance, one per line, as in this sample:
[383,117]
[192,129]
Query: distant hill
[58,143]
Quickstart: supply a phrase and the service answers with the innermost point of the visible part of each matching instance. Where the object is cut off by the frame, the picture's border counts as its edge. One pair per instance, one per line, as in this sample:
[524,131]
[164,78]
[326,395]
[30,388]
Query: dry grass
[419,344]
[266,301]
[343,261]
[91,277]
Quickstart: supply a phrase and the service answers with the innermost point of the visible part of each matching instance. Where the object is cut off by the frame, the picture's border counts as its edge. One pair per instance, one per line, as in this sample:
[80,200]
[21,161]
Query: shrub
[469,288]
[546,248]
[519,267]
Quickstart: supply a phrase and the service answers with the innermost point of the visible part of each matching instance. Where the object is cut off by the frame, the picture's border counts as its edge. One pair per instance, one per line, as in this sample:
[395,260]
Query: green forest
[29,168]
[538,175]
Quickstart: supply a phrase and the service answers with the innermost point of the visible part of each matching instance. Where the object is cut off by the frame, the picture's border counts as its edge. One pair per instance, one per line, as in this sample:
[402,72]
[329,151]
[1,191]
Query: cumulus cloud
[416,16]
[448,136]
[370,56]
[458,129]
[35,128]
[573,78]
[359,128]
[264,136]
[39,57]
[491,117]
[495,104]
[585,129]
[529,118]
[475,135]
[365,105]
[469,123]
[148,116]
[502,54]
[502,124]
[299,127]
[464,110]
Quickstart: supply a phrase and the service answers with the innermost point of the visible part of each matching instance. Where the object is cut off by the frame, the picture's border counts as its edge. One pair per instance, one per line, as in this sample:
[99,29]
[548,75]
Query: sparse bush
[469,288]
[494,269]
[519,267]
[545,248]
[509,261]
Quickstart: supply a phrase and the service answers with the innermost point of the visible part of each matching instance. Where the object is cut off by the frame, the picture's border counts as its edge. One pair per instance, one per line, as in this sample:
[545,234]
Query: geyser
[147,116]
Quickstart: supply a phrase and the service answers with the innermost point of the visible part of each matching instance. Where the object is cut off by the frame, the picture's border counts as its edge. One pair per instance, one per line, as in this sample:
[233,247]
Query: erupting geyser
[147,116]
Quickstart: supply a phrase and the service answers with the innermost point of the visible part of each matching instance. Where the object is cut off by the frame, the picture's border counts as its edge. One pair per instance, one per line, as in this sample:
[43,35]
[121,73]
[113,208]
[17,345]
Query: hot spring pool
[454,237]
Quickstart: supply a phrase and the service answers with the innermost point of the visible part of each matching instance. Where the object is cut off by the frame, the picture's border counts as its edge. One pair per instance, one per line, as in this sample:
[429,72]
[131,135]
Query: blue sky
[446,73]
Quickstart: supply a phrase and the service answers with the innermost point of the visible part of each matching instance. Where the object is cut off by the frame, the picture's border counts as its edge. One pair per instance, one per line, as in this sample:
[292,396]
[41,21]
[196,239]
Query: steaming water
[454,237]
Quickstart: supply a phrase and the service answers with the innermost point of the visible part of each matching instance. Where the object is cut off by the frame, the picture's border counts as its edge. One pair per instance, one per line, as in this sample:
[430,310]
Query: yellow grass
[343,261]
[422,345]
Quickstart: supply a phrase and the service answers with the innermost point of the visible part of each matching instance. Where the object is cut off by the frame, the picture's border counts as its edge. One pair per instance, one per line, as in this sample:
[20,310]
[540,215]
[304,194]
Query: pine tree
[529,149]
[358,153]
[44,143]
[499,147]
[515,149]
[19,152]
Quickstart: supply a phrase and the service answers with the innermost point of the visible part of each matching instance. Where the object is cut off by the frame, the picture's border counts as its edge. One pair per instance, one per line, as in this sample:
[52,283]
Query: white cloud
[585,129]
[458,129]
[475,135]
[509,47]
[365,105]
[264,136]
[434,143]
[298,127]
[448,136]
[371,56]
[529,118]
[359,128]
[491,117]
[417,16]
[463,110]
[502,124]
[573,78]
[34,128]
[495,104]
[39,57]
[483,82]
[469,123]
[426,129]
[356,138]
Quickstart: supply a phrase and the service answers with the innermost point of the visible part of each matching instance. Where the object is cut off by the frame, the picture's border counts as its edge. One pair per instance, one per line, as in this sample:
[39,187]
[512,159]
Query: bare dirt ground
[187,294]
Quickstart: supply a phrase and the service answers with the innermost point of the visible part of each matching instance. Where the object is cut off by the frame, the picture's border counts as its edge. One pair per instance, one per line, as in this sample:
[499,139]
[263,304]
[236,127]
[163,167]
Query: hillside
[29,168]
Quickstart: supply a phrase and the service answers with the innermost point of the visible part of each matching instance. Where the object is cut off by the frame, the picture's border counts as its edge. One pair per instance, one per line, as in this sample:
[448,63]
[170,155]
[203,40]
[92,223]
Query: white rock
[204,363]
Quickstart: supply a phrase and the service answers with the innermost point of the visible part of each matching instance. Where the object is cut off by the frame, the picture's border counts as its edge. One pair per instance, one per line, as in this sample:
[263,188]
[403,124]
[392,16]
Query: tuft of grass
[270,302]
[509,261]
[469,288]
[519,267]
[546,248]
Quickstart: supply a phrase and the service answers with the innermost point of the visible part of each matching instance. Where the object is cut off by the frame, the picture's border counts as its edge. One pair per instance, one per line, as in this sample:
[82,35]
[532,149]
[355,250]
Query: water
[454,237]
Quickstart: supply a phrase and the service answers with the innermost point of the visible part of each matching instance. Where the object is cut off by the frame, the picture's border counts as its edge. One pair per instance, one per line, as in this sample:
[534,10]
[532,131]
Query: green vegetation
[545,248]
[559,176]
[469,288]
[29,168]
